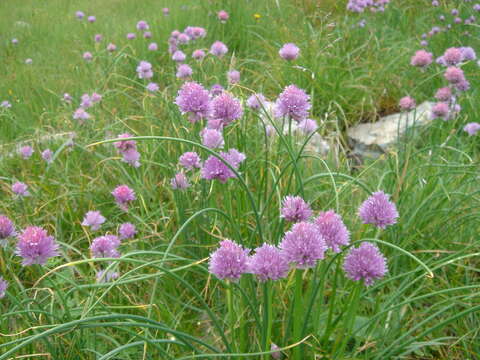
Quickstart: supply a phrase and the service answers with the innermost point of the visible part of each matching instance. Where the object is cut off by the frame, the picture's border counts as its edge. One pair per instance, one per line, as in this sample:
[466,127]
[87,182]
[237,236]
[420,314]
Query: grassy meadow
[165,303]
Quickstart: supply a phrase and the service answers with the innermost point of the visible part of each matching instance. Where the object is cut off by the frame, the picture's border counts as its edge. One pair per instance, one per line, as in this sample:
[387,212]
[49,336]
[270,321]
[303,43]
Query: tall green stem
[297,314]
[267,317]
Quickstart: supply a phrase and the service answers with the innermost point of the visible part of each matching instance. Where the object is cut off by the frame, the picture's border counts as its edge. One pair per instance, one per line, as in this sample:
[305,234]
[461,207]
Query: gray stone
[374,139]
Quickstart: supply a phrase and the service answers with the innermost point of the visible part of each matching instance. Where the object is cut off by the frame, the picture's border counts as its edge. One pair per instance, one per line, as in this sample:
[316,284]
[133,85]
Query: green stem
[267,317]
[231,315]
[297,314]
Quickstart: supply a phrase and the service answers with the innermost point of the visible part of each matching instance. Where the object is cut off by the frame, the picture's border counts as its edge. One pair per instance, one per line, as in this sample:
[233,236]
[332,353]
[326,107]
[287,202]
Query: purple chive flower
[131,36]
[223,16]
[35,246]
[184,71]
[152,87]
[190,160]
[81,114]
[3,287]
[444,94]
[179,181]
[463,85]
[198,54]
[378,210]
[293,102]
[212,138]
[289,51]
[471,128]
[215,169]
[226,108]
[131,157]
[91,19]
[308,126]
[87,56]
[421,59]
[86,101]
[144,70]
[268,263]
[20,189]
[7,229]
[153,46]
[452,56]
[440,111]
[295,209]
[104,276]
[218,49]
[147,35]
[111,47]
[47,155]
[454,75]
[276,355]
[256,101]
[424,43]
[229,261]
[333,230]
[79,15]
[365,263]
[6,104]
[142,25]
[95,98]
[125,145]
[98,37]
[93,219]
[123,195]
[407,103]
[233,77]
[166,11]
[127,231]
[193,99]
[468,53]
[15,41]
[67,98]
[26,152]
[183,38]
[303,245]
[105,247]
[216,89]
[179,56]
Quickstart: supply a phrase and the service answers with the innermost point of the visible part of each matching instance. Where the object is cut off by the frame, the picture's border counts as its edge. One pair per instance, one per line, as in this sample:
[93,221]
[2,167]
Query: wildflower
[131,36]
[184,71]
[142,25]
[333,230]
[454,75]
[365,263]
[123,195]
[179,56]
[277,354]
[407,103]
[257,16]
[26,152]
[471,128]
[268,263]
[28,61]
[127,231]
[229,261]
[421,59]
[303,245]
[47,155]
[452,56]
[166,11]
[179,181]
[289,51]
[233,77]
[20,189]
[190,160]
[444,94]
[91,19]
[144,70]
[87,56]
[67,98]
[440,110]
[152,87]
[3,287]
[105,246]
[212,138]
[216,89]
[214,168]
[193,99]
[223,16]
[95,98]
[256,101]
[468,53]
[93,219]
[6,104]
[128,150]
[308,126]
[153,46]
[98,37]
[79,15]
[7,229]
[111,47]
[226,108]
[293,102]
[378,210]
[81,114]
[218,49]
[86,101]
[198,54]
[35,246]
[104,276]
[147,35]
[295,209]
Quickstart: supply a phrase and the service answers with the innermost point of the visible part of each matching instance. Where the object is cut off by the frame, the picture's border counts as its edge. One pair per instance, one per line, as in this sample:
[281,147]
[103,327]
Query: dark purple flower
[333,230]
[295,209]
[303,245]
[35,246]
[365,263]
[229,261]
[268,263]
[378,210]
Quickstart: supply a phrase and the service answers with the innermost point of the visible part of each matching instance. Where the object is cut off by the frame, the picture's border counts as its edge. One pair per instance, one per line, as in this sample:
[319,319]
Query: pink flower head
[105,247]
[229,261]
[142,25]
[444,94]
[47,155]
[3,287]
[184,71]
[293,102]
[440,110]
[223,16]
[20,189]
[333,230]
[407,103]
[190,160]
[35,246]
[256,101]
[454,75]
[226,108]
[307,126]
[378,210]
[212,138]
[81,115]
[144,70]
[471,128]
[198,54]
[289,51]
[179,181]
[127,231]
[153,46]
[365,263]
[179,56]
[193,99]
[93,219]
[91,19]
[233,77]
[452,56]
[7,229]
[98,37]
[111,47]
[26,152]
[295,209]
[123,195]
[215,169]
[87,56]
[218,49]
[421,59]
[268,263]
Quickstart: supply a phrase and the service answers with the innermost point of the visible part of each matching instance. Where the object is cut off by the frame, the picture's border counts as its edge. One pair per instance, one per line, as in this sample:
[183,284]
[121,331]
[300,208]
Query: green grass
[166,305]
